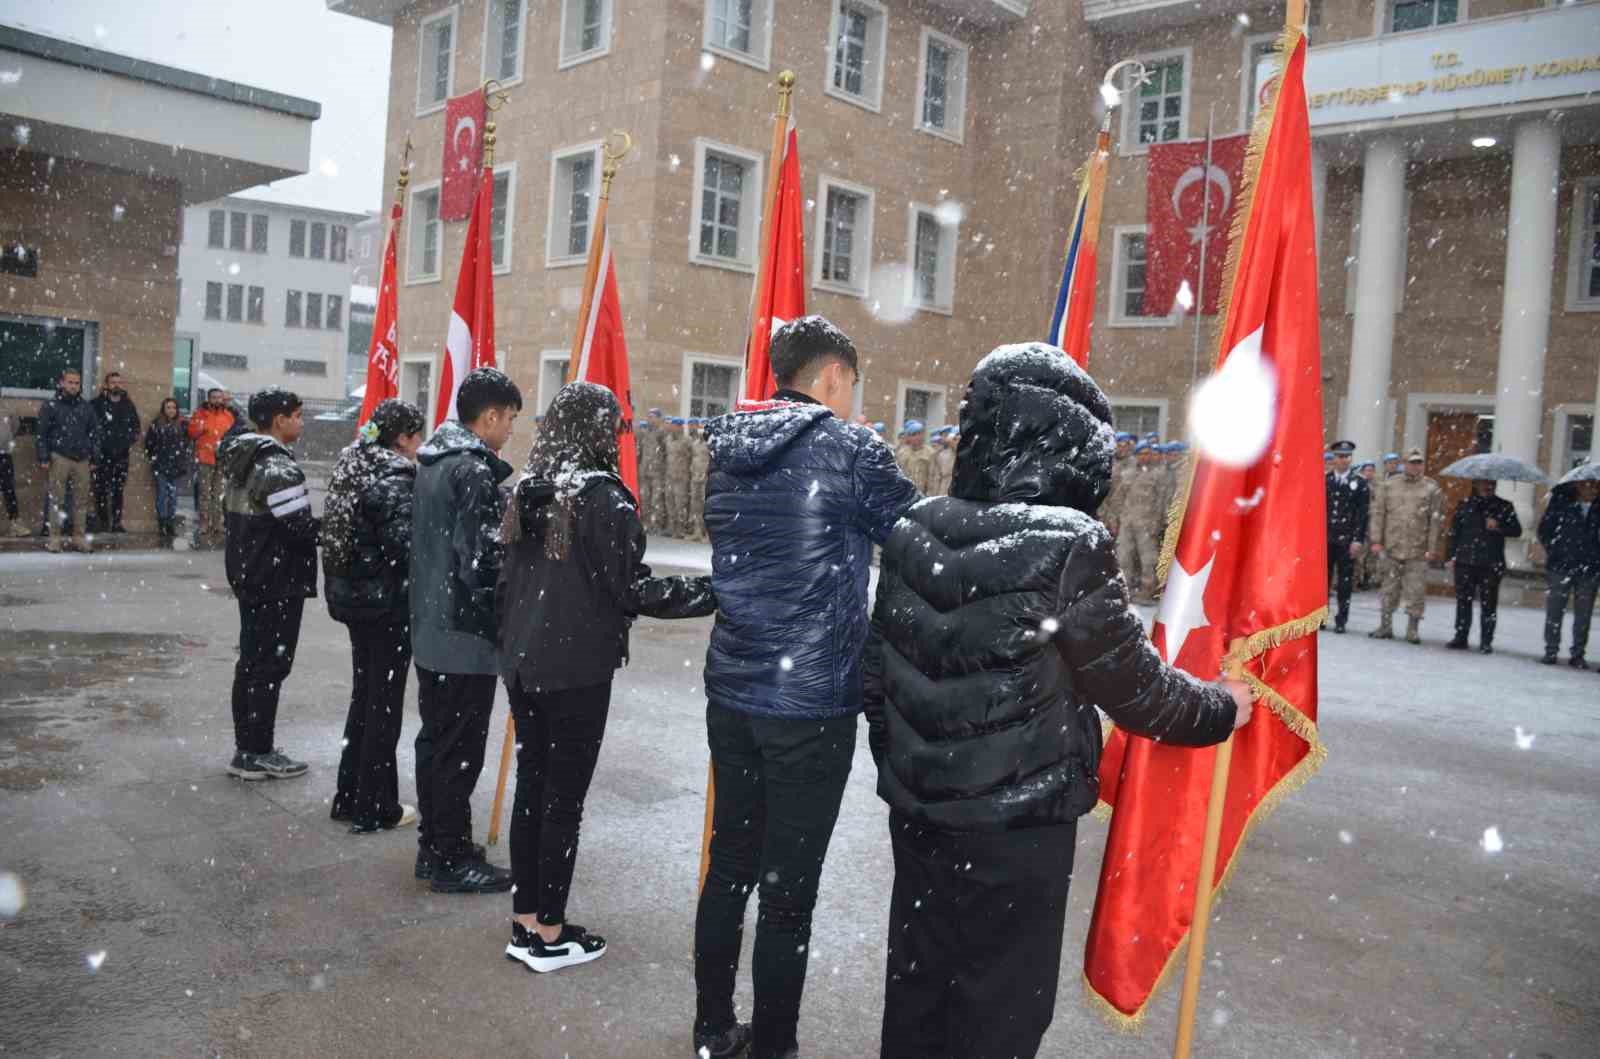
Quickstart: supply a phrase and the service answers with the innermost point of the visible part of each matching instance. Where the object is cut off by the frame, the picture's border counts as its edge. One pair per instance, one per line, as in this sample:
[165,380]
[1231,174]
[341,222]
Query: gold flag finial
[494,97]
[613,159]
[405,172]
[785,91]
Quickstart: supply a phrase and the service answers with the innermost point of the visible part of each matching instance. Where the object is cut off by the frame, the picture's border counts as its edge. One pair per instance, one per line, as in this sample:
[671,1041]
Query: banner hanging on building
[463,146]
[1176,209]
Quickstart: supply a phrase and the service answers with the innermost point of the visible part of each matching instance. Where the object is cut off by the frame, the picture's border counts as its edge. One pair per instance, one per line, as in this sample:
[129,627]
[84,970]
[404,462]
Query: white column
[1383,192]
[1525,310]
[1319,189]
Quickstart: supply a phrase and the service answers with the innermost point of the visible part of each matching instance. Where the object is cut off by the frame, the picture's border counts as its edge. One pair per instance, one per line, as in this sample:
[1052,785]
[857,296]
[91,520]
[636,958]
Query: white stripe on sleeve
[285,510]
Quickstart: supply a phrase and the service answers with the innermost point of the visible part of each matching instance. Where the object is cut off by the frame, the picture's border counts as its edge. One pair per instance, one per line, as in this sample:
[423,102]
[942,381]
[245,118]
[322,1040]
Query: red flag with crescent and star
[469,338]
[463,146]
[383,360]
[1176,208]
[1247,581]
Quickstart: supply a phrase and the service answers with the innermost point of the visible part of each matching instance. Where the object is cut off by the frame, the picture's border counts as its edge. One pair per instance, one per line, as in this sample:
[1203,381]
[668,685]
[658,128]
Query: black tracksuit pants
[108,478]
[779,782]
[269,632]
[1480,583]
[558,743]
[455,710]
[975,926]
[369,787]
[8,485]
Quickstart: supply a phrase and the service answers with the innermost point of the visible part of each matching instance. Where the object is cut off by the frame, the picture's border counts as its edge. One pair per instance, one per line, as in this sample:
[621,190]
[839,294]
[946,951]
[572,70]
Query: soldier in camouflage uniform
[699,468]
[679,459]
[651,439]
[1140,518]
[1121,462]
[915,458]
[1406,528]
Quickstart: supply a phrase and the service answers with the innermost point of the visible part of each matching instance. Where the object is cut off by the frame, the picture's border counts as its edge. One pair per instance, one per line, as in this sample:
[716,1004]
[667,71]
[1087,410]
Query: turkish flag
[1175,208]
[603,359]
[780,294]
[1248,582]
[469,340]
[463,148]
[383,362]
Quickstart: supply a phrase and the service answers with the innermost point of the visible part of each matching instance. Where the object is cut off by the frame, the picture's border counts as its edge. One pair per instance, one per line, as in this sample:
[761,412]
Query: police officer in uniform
[1406,528]
[1348,510]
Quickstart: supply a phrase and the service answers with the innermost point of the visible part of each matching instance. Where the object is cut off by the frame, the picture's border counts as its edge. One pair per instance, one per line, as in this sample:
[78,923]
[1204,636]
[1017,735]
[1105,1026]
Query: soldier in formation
[1120,462]
[699,468]
[1140,518]
[1349,507]
[914,456]
[680,456]
[651,439]
[1405,530]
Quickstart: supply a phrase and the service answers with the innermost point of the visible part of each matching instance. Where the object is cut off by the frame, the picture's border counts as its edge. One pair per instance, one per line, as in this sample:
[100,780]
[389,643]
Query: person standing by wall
[1570,533]
[8,474]
[206,428]
[69,437]
[1405,529]
[679,459]
[1477,553]
[166,446]
[119,431]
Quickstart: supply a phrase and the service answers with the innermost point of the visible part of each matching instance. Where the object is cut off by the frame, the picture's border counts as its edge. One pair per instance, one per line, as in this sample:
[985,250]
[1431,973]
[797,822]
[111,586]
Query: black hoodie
[272,534]
[1002,619]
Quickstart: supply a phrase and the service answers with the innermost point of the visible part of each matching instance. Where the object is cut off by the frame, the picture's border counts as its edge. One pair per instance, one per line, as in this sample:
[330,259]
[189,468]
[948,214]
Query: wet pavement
[171,911]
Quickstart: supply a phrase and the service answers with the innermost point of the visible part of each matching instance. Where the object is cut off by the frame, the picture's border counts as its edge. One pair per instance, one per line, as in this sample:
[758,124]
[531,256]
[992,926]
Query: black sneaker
[280,766]
[574,946]
[470,875]
[1549,659]
[428,860]
[404,817]
[727,1044]
[339,813]
[246,767]
[1485,649]
[1577,662]
[1458,644]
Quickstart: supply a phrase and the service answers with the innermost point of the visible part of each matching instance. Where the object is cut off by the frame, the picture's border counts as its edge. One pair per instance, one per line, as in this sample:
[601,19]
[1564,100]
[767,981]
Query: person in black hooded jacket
[366,558]
[572,582]
[1477,554]
[1001,622]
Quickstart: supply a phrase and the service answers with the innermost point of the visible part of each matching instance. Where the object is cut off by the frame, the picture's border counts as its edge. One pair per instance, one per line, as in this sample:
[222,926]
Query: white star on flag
[1183,607]
[777,322]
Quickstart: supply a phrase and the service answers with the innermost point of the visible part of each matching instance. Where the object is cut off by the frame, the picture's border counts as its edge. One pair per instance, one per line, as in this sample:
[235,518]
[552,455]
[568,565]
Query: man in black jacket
[69,436]
[272,569]
[456,551]
[1570,533]
[1477,553]
[1348,501]
[119,429]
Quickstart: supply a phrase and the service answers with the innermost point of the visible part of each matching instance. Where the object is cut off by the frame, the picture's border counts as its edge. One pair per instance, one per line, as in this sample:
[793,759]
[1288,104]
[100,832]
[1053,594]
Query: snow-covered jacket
[794,502]
[564,622]
[119,425]
[1571,539]
[67,427]
[1002,618]
[366,535]
[455,552]
[272,534]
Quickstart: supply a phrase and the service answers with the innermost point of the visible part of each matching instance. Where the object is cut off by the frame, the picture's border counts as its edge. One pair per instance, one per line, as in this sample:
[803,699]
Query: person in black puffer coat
[366,560]
[1570,533]
[573,580]
[1477,552]
[1002,621]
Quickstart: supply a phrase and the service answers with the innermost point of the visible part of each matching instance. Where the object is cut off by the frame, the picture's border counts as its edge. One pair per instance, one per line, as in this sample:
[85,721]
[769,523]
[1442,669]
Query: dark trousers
[558,743]
[1583,591]
[455,710]
[108,477]
[1341,578]
[380,657]
[975,926]
[779,783]
[1480,583]
[268,635]
[8,485]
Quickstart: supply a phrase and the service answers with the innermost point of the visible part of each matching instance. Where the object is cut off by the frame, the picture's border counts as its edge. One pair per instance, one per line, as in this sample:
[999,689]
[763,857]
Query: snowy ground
[173,912]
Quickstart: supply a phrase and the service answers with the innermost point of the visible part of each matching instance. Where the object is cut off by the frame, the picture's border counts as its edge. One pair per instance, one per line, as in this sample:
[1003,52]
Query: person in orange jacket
[207,426]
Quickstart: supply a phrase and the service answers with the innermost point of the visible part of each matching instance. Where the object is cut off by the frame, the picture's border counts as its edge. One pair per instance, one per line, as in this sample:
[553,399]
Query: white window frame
[1247,71]
[562,154]
[950,244]
[1576,302]
[750,208]
[545,396]
[522,46]
[1128,133]
[761,58]
[1161,404]
[1562,415]
[607,17]
[451,14]
[413,235]
[1114,314]
[957,133]
[939,389]
[432,361]
[873,101]
[501,268]
[686,377]
[861,255]
[1382,19]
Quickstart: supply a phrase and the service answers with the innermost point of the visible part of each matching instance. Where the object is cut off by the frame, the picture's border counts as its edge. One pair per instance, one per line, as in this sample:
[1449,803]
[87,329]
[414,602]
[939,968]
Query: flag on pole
[464,118]
[1182,222]
[469,342]
[383,363]
[1074,312]
[780,294]
[604,358]
[1247,582]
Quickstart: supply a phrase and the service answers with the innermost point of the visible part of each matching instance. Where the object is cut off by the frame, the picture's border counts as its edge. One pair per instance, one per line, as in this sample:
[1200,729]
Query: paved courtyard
[171,911]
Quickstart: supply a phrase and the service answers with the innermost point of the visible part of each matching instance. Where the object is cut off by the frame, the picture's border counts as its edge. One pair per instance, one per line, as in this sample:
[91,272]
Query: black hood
[1035,429]
[452,439]
[240,453]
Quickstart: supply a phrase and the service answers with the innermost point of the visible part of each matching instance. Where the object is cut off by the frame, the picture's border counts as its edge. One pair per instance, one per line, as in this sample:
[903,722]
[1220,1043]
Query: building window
[845,236]
[855,55]
[502,40]
[573,177]
[1158,113]
[319,240]
[258,233]
[1583,280]
[35,350]
[923,402]
[727,190]
[552,376]
[1256,51]
[1137,419]
[585,30]
[435,60]
[216,229]
[227,361]
[932,246]
[297,238]
[713,388]
[1403,15]
[942,86]
[255,310]
[335,307]
[338,242]
[1128,265]
[213,301]
[237,223]
[740,29]
[236,302]
[313,309]
[422,243]
[291,309]
[319,368]
[501,216]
